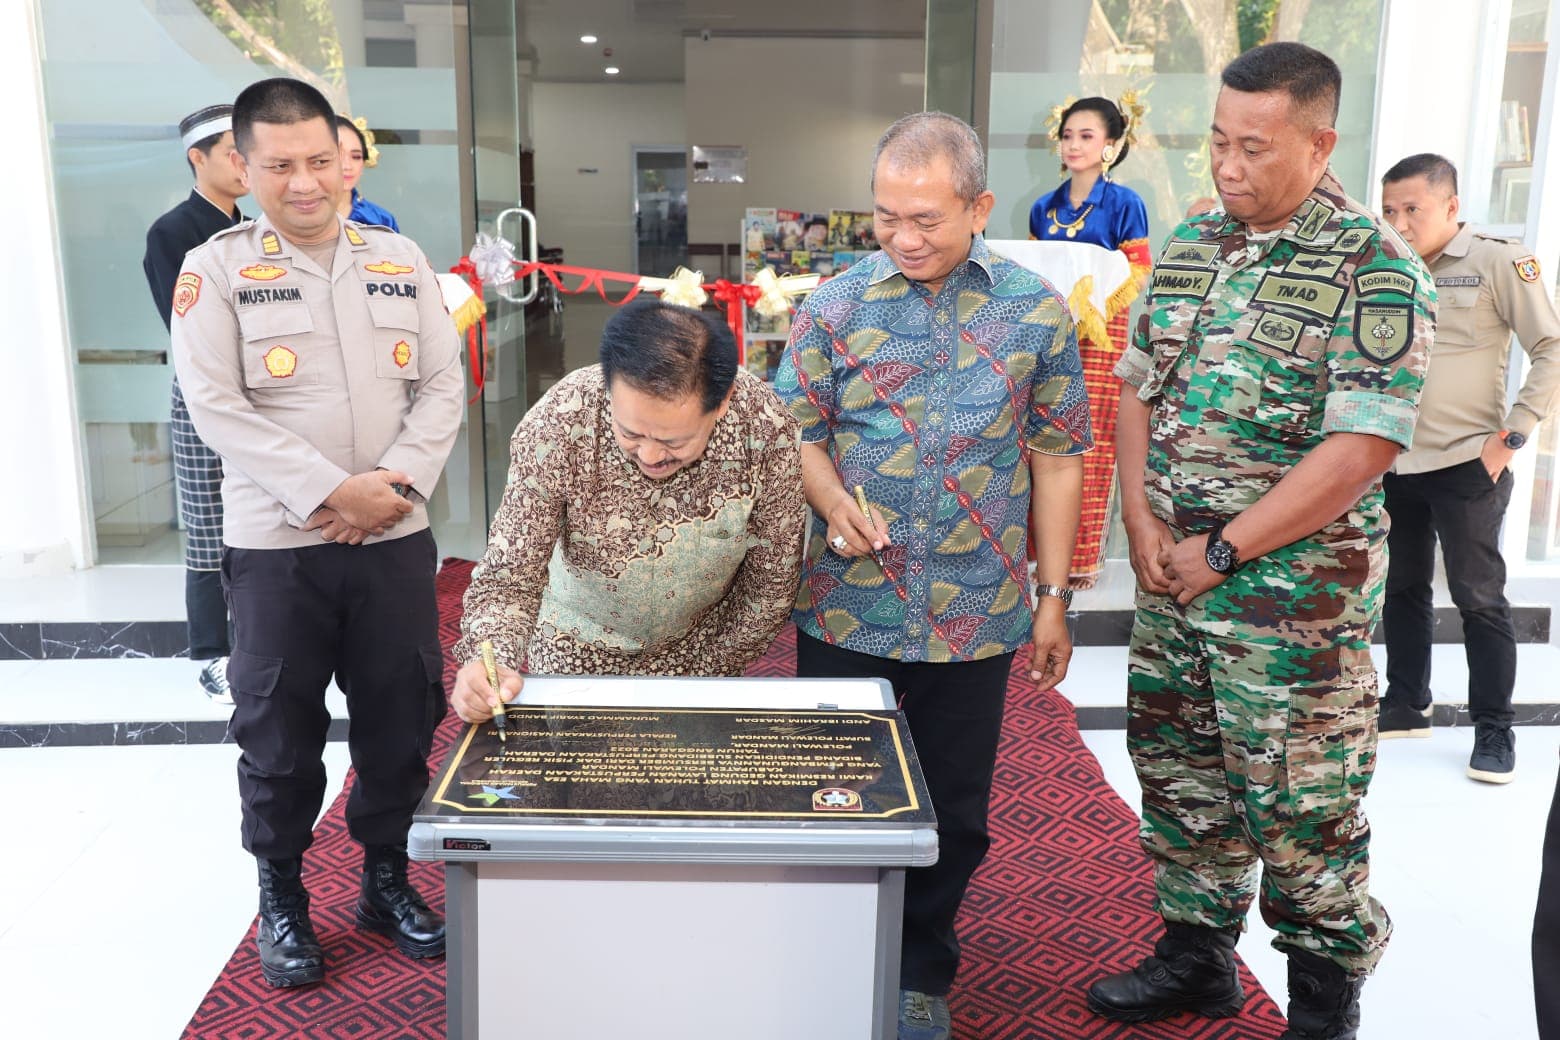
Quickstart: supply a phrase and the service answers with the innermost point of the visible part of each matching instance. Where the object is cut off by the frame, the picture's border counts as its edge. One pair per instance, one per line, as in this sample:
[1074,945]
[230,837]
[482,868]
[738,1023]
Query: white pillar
[46,526]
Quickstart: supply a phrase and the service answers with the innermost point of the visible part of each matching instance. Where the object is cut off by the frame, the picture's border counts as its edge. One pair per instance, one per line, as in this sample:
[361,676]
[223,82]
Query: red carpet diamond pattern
[1063,898]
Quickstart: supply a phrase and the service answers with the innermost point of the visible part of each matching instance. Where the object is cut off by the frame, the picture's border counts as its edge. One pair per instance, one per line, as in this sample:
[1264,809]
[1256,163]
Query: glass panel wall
[118,77]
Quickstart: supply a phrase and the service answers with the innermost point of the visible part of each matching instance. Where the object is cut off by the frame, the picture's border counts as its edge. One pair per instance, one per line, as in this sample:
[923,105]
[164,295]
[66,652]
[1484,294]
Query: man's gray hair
[917,140]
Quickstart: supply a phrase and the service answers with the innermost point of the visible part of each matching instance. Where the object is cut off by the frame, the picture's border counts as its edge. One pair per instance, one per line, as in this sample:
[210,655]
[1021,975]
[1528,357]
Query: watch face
[1220,558]
[1515,440]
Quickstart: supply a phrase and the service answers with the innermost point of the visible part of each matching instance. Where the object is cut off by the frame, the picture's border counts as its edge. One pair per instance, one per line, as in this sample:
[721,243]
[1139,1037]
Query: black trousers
[955,716]
[205,609]
[1462,509]
[1546,930]
[367,615]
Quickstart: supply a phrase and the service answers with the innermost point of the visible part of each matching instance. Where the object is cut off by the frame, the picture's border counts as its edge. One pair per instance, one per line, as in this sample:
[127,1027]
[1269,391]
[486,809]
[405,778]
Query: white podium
[746,879]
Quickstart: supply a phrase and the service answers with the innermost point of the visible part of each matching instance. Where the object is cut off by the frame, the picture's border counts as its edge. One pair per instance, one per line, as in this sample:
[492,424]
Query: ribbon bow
[684,288]
[494,258]
[731,293]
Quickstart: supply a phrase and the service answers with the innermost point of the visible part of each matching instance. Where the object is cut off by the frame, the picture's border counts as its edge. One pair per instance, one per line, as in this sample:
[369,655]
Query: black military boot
[389,905]
[290,954]
[1192,969]
[1324,1000]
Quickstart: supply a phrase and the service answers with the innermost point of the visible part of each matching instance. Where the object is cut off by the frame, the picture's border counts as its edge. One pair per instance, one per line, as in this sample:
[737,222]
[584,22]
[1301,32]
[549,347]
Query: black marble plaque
[685,764]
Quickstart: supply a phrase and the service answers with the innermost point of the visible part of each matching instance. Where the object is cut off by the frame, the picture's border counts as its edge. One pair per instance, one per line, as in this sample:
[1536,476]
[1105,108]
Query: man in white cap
[207,136]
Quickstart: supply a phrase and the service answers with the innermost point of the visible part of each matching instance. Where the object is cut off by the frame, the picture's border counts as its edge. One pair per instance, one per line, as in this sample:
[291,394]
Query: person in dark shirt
[212,205]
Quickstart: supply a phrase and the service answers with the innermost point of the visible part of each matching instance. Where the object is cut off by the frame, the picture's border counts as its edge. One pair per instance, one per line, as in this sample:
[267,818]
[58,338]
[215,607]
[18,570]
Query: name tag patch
[392,289]
[281,294]
[1181,282]
[1304,294]
[1383,281]
[1383,331]
[1455,281]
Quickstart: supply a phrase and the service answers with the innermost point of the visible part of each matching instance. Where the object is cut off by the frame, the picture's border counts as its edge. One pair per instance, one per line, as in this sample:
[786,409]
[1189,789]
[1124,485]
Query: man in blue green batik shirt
[942,380]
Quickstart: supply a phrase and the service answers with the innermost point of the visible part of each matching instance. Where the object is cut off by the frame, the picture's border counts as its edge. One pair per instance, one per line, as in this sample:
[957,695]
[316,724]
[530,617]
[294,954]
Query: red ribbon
[734,295]
[476,335]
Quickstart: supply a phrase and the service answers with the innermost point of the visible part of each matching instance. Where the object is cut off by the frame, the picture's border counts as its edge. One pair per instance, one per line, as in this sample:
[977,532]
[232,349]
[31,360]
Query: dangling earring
[1063,168]
[1107,156]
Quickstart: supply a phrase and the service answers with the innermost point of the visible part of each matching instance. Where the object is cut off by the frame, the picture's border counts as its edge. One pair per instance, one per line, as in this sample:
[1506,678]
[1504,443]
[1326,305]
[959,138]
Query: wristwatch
[1061,592]
[1512,439]
[1221,555]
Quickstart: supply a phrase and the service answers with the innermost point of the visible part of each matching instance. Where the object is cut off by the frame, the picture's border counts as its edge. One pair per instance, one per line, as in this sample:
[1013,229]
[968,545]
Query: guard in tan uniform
[316,358]
[1454,485]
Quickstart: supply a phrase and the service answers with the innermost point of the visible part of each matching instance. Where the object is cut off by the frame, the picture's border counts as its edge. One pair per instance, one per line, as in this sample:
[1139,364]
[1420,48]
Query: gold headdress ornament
[1131,104]
[371,159]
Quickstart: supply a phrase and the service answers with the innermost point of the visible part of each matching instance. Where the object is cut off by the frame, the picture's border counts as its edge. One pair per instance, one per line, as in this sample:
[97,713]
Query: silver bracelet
[1061,592]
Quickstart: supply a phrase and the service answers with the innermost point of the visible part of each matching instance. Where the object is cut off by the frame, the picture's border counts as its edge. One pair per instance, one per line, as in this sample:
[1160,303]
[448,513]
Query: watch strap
[1061,592]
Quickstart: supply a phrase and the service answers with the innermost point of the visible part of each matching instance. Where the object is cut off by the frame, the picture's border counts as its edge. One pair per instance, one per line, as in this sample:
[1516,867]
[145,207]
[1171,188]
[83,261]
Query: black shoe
[290,953]
[389,905]
[1324,1000]
[1398,719]
[1494,758]
[1193,969]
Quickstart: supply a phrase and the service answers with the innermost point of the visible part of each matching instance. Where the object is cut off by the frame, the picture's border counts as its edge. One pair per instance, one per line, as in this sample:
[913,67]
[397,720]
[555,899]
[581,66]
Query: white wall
[809,113]
[595,126]
[44,528]
[1428,74]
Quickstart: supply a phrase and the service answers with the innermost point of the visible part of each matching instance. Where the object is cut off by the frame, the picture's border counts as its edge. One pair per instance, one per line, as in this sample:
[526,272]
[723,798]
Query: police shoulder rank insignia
[1383,331]
[1527,268]
[280,362]
[185,292]
[270,245]
[402,354]
[386,267]
[262,272]
[353,236]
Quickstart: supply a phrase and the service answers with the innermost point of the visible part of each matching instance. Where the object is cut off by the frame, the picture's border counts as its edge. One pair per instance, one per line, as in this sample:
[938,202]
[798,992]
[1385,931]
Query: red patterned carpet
[1063,897]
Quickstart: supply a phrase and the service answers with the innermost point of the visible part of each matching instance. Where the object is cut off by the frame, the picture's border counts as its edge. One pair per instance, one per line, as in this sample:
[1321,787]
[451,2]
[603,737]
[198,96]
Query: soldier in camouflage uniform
[1273,379]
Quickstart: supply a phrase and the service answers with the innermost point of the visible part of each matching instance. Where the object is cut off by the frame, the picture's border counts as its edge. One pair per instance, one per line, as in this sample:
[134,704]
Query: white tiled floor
[1456,864]
[123,887]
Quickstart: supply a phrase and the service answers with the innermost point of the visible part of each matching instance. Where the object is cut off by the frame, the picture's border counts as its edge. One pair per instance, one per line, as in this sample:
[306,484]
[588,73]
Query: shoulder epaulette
[242,225]
[1498,238]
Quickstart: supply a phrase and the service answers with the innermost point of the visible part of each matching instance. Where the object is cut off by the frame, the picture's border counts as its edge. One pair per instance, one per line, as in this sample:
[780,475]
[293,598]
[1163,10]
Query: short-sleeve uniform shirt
[932,404]
[1257,346]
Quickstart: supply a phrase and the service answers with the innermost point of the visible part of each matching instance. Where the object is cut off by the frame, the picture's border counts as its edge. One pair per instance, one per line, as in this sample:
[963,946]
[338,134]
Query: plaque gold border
[439,795]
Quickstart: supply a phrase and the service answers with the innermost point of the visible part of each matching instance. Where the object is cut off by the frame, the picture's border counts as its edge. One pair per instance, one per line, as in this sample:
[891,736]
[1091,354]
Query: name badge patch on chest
[1383,331]
[1459,281]
[1311,295]
[1181,282]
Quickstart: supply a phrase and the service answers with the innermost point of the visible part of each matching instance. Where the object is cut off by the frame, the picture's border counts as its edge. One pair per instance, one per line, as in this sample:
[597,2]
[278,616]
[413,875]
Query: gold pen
[498,700]
[866,510]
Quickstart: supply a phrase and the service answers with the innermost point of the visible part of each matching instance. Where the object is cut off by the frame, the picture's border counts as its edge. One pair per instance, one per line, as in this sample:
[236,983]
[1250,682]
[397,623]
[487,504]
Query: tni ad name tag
[1181,282]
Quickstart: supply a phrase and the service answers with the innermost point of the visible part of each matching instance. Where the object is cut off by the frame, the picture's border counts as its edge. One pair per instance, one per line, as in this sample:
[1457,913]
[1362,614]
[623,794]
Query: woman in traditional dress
[357,153]
[1090,209]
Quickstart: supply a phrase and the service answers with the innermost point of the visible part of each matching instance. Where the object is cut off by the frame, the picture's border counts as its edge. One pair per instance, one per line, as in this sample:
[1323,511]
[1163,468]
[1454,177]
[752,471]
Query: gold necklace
[1072,228]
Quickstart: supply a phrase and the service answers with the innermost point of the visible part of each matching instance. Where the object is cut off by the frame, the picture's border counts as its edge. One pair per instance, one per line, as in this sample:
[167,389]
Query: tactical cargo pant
[1252,727]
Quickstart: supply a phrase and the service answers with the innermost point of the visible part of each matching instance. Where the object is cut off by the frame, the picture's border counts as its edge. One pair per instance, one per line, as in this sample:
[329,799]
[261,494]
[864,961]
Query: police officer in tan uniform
[1454,485]
[317,359]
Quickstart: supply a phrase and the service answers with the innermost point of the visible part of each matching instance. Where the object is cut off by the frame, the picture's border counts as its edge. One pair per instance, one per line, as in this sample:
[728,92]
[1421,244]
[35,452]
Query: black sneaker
[1494,759]
[1400,720]
[214,682]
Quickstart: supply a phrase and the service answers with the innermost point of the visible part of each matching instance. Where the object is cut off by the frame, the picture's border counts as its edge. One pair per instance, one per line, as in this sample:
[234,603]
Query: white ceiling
[646,36]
